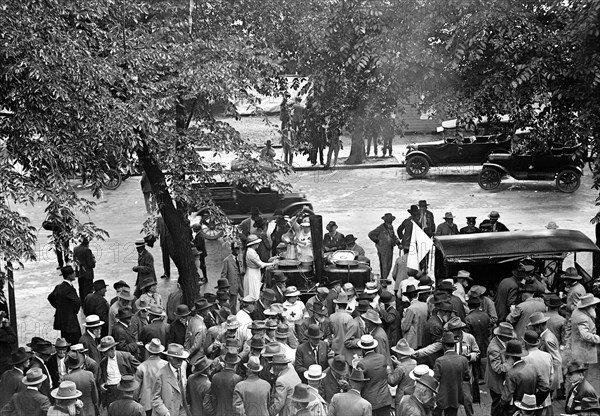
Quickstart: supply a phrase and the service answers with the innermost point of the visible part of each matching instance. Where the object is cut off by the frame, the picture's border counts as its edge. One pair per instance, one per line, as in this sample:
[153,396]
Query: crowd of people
[255,347]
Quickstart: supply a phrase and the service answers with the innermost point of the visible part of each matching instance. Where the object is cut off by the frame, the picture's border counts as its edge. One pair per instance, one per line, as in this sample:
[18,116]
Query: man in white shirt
[243,315]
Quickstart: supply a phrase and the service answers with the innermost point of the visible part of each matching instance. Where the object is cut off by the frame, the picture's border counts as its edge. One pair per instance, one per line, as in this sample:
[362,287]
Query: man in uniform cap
[96,304]
[144,268]
[65,300]
[470,228]
[492,225]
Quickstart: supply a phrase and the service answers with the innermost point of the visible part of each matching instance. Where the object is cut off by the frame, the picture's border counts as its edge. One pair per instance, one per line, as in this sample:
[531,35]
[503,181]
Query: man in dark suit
[278,287]
[223,385]
[319,318]
[351,402]
[109,376]
[267,297]
[375,390]
[42,351]
[434,329]
[8,340]
[335,378]
[373,327]
[390,317]
[96,304]
[93,329]
[426,220]
[126,405]
[506,295]
[29,402]
[122,333]
[56,364]
[492,225]
[198,388]
[579,388]
[84,262]
[521,378]
[66,302]
[251,396]
[84,381]
[496,366]
[178,327]
[313,351]
[11,380]
[157,328]
[166,245]
[144,268]
[450,370]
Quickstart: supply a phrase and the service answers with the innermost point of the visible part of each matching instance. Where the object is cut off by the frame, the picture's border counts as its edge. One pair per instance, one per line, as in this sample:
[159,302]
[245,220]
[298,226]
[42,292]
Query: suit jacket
[125,407]
[91,345]
[496,368]
[429,226]
[10,383]
[85,261]
[556,324]
[65,300]
[446,229]
[126,362]
[145,267]
[486,226]
[232,271]
[410,406]
[519,317]
[391,322]
[577,393]
[344,330]
[434,329]
[84,380]
[305,357]
[583,337]
[549,344]
[26,403]
[45,388]
[479,324]
[176,333]
[413,323]
[331,244]
[330,385]
[223,384]
[542,363]
[94,304]
[283,391]
[521,379]
[52,366]
[506,295]
[349,404]
[376,390]
[167,398]
[404,231]
[279,295]
[198,395]
[146,374]
[450,369]
[124,337]
[155,329]
[251,397]
[383,344]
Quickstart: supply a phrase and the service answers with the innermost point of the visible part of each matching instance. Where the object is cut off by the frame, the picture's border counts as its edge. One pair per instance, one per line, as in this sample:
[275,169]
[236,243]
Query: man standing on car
[492,225]
[426,218]
[470,228]
[385,240]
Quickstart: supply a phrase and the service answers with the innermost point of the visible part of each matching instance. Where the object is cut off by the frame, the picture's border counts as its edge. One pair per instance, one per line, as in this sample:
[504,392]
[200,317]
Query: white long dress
[253,276]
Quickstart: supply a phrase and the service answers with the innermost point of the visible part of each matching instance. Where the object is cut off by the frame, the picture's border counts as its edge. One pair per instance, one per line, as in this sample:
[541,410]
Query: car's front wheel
[489,179]
[568,181]
[417,166]
[112,180]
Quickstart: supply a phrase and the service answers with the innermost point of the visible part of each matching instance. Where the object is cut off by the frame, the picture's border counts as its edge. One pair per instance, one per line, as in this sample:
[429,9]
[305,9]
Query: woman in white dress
[253,276]
[303,238]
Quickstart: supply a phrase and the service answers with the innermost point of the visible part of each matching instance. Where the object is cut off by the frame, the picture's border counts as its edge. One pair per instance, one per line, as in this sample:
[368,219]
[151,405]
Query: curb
[349,167]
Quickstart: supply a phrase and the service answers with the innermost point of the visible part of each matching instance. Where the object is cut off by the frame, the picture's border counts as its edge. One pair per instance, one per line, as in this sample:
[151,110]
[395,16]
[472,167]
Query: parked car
[236,201]
[453,150]
[562,165]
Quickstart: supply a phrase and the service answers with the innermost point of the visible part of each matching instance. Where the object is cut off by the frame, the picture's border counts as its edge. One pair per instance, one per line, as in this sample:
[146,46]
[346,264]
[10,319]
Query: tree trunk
[357,151]
[179,229]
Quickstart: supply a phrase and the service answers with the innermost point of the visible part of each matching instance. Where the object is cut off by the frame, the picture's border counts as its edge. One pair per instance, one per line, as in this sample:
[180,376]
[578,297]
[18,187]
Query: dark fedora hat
[182,310]
[363,306]
[231,357]
[313,331]
[531,338]
[339,365]
[302,394]
[429,382]
[474,302]
[222,284]
[201,364]
[349,239]
[588,404]
[410,289]
[257,342]
[67,270]
[43,347]
[20,356]
[445,286]
[128,383]
[358,374]
[514,348]
[280,277]
[423,203]
[413,210]
[121,283]
[576,366]
[388,216]
[319,309]
[528,288]
[268,294]
[74,360]
[444,306]
[99,285]
[124,313]
[552,301]
[201,304]
[448,338]
[61,343]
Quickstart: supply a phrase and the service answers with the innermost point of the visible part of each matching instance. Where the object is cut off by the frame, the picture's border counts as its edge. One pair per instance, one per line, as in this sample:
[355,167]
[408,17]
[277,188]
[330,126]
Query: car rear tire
[568,181]
[417,166]
[113,180]
[489,179]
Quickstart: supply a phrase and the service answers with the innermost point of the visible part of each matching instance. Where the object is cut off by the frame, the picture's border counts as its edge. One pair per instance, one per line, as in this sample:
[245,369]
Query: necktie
[237,264]
[182,391]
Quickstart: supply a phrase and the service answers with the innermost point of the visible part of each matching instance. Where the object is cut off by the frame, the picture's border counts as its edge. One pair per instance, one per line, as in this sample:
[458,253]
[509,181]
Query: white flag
[420,244]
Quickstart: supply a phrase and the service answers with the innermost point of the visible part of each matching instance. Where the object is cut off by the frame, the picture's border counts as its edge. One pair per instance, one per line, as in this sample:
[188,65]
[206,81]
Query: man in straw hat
[351,403]
[497,367]
[385,240]
[147,372]
[422,401]
[84,381]
[452,371]
[335,377]
[126,405]
[521,378]
[313,351]
[374,364]
[169,393]
[144,268]
[93,329]
[492,225]
[313,376]
[224,382]
[113,366]
[29,401]
[198,388]
[402,365]
[65,300]
[579,388]
[11,380]
[286,380]
[96,304]
[447,227]
[251,396]
[584,340]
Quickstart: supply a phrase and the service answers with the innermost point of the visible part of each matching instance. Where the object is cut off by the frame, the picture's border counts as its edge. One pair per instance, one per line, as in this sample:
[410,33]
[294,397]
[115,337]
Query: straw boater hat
[528,402]
[140,242]
[419,371]
[252,240]
[367,342]
[314,373]
[93,321]
[66,391]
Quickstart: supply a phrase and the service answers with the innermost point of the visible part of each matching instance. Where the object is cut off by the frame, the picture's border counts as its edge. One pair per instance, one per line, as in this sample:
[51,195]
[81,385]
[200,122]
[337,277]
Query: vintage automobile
[236,201]
[562,165]
[490,257]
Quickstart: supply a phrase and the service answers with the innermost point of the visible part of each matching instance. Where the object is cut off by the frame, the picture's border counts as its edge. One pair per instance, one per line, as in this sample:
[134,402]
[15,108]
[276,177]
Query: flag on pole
[420,245]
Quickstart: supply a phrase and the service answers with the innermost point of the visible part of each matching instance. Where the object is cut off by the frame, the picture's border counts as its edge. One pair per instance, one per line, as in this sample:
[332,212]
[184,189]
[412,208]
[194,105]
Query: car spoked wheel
[417,166]
[489,179]
[568,181]
[112,180]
